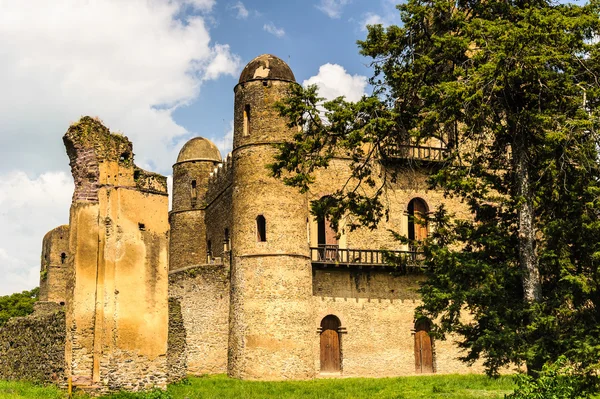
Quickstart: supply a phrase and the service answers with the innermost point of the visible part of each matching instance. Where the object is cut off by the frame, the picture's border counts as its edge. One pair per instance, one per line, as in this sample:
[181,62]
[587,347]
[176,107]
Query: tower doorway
[330,344]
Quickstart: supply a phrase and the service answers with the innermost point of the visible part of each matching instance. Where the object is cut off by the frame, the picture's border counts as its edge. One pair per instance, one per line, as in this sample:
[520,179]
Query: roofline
[199,160]
[260,80]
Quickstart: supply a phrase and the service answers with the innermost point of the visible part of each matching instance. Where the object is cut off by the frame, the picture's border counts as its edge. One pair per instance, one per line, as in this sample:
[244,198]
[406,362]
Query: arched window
[261,228]
[246,119]
[331,354]
[417,222]
[63,257]
[327,237]
[423,347]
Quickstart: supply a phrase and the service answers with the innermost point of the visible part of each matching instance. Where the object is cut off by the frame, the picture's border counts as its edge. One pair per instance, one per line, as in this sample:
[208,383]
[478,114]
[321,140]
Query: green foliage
[558,380]
[222,387]
[18,304]
[512,88]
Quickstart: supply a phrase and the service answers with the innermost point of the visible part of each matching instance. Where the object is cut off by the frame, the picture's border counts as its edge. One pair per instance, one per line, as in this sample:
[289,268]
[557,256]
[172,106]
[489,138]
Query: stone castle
[238,277]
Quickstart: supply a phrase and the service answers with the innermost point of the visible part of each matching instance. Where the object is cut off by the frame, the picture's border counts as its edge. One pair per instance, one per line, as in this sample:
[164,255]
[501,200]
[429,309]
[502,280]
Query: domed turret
[199,149]
[267,67]
[197,159]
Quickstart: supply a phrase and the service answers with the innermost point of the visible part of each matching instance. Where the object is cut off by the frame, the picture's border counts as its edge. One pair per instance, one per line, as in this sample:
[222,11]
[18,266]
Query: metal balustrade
[417,152]
[333,255]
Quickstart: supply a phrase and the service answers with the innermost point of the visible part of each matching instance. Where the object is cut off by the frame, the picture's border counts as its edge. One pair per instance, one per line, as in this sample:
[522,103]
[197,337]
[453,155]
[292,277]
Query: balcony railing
[333,255]
[415,152]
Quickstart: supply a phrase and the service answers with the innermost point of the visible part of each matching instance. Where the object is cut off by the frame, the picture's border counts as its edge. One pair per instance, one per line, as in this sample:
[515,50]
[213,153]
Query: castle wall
[409,183]
[376,308]
[33,347]
[117,311]
[218,212]
[177,343]
[203,296]
[53,271]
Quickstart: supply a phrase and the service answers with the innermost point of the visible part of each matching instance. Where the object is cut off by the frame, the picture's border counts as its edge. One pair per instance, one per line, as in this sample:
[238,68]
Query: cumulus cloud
[332,8]
[61,60]
[388,16]
[272,29]
[242,11]
[225,143]
[132,63]
[29,207]
[333,81]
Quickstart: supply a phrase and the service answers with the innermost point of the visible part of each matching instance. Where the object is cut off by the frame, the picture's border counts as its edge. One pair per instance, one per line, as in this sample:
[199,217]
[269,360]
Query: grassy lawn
[447,386]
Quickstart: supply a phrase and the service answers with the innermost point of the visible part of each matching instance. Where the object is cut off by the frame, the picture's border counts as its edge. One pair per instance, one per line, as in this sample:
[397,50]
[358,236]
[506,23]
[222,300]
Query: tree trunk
[532,287]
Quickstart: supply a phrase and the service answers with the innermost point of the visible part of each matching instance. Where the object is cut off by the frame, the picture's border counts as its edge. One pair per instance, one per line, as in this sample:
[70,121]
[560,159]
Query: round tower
[271,323]
[54,268]
[187,244]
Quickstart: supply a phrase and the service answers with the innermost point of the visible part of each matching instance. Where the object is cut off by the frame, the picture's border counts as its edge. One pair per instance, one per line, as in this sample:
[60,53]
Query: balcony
[332,255]
[420,153]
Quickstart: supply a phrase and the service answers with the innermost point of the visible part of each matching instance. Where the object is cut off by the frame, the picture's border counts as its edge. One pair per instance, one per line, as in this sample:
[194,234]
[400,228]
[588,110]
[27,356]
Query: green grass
[439,386]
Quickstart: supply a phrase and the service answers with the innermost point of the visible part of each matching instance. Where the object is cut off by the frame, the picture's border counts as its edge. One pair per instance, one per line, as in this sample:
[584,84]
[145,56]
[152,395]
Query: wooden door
[423,352]
[330,344]
[420,211]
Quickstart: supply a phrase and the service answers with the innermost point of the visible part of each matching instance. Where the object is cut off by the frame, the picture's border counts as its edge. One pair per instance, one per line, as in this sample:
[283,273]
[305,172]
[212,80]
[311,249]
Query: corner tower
[271,279]
[53,272]
[187,245]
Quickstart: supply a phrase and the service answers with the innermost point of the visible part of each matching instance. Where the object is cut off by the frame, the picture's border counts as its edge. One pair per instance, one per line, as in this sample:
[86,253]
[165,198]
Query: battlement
[220,178]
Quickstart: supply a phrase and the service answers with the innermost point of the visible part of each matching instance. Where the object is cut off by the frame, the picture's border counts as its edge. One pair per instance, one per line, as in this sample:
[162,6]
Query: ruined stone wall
[177,343]
[32,348]
[53,271]
[376,308]
[117,311]
[271,313]
[203,295]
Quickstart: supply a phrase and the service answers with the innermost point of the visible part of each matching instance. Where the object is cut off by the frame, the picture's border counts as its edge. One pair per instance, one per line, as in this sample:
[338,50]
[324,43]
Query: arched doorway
[423,347]
[330,344]
[417,222]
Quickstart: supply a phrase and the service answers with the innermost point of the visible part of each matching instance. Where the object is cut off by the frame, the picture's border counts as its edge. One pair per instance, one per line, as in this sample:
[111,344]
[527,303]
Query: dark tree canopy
[18,304]
[512,89]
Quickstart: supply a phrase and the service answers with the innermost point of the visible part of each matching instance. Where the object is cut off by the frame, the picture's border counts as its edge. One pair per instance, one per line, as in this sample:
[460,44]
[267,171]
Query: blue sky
[158,71]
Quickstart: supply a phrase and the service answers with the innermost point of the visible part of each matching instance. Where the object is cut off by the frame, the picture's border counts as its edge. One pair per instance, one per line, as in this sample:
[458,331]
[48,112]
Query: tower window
[194,191]
[209,251]
[261,228]
[247,120]
[226,245]
[63,257]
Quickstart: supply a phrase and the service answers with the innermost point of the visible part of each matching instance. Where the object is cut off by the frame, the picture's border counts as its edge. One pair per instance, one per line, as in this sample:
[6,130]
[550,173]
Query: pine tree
[512,87]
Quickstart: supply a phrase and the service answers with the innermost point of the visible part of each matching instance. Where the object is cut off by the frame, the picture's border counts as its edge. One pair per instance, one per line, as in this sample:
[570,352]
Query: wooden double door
[330,345]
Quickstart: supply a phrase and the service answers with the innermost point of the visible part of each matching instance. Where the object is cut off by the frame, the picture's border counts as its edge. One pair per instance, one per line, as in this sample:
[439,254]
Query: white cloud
[225,142]
[29,208]
[62,59]
[272,29]
[389,16]
[333,81]
[200,5]
[132,63]
[333,8]
[242,11]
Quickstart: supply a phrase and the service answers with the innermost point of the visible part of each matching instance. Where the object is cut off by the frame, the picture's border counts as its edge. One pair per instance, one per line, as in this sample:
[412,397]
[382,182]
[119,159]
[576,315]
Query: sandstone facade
[239,277]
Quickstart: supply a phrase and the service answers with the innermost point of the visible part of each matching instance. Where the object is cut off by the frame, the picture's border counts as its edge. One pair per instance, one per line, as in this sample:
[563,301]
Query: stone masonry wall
[54,262]
[376,308]
[203,294]
[176,345]
[33,347]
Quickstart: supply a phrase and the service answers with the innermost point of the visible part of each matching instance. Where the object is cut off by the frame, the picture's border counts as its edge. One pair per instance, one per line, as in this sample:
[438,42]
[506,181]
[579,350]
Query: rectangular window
[261,228]
[247,120]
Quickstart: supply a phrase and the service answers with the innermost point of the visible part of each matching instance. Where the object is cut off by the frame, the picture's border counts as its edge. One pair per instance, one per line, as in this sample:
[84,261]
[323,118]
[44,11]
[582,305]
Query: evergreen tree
[512,87]
[17,304]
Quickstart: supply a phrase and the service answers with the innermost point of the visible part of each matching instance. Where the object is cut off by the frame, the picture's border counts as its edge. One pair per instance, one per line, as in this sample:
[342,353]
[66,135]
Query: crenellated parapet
[219,179]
